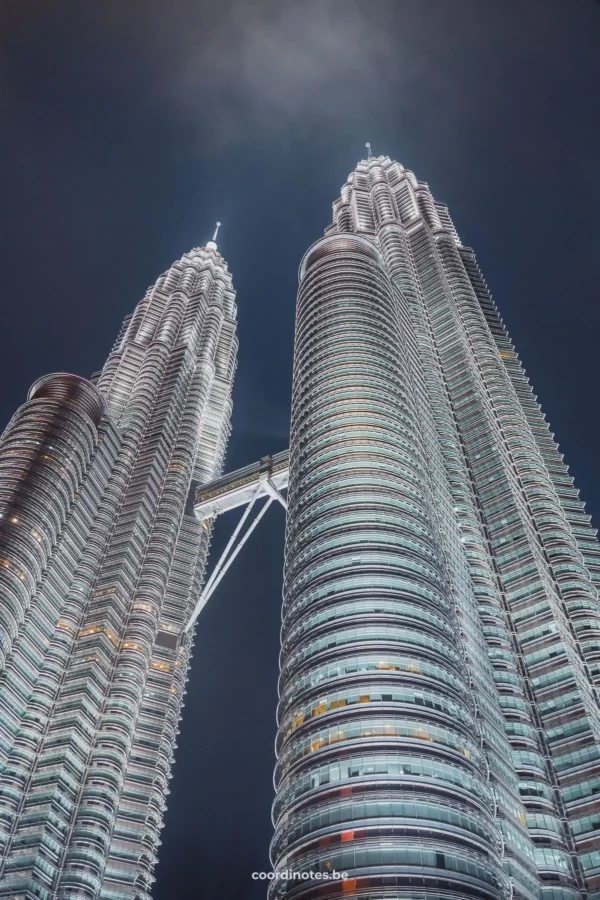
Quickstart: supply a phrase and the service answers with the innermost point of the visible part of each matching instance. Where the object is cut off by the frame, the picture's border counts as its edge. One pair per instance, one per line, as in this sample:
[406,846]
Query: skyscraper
[439,730]
[101,562]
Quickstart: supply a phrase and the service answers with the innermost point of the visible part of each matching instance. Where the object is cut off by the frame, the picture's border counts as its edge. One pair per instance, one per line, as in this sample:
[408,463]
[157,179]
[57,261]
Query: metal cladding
[70,390]
[439,733]
[44,455]
[101,563]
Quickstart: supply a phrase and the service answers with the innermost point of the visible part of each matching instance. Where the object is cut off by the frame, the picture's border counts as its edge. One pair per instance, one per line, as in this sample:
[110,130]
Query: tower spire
[369,154]
[212,244]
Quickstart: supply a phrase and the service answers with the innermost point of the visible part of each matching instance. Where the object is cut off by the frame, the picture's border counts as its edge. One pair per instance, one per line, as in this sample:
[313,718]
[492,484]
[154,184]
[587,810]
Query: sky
[128,127]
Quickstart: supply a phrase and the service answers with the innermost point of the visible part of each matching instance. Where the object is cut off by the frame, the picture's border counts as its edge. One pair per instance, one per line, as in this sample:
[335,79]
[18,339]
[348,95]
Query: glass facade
[101,564]
[439,731]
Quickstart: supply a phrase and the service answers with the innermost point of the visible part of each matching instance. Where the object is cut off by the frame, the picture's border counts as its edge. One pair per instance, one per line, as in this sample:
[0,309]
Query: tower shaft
[439,731]
[113,564]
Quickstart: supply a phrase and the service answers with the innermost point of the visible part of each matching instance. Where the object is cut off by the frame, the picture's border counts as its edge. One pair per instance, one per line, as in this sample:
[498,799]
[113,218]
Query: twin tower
[439,722]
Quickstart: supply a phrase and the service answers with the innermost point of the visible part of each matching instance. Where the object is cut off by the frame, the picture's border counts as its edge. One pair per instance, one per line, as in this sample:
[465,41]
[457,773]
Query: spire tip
[212,244]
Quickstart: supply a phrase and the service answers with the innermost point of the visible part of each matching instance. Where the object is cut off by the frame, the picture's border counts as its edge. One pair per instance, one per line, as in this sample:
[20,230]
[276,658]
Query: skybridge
[265,481]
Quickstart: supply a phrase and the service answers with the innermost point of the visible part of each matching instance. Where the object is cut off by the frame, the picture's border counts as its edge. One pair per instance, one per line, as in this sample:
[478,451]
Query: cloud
[289,60]
[267,66]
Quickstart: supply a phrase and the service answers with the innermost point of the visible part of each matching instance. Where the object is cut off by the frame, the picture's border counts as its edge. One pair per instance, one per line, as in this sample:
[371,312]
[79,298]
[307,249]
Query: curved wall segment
[380,772]
[45,453]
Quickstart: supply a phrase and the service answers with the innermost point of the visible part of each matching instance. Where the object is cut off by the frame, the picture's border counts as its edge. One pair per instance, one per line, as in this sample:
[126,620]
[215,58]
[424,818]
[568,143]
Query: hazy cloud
[272,65]
[238,68]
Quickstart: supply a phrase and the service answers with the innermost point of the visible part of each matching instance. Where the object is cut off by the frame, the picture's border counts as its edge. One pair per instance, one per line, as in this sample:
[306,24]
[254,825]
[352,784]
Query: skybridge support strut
[265,479]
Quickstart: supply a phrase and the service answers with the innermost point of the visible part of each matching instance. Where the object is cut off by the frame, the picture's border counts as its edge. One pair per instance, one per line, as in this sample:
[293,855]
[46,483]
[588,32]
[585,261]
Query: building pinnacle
[212,244]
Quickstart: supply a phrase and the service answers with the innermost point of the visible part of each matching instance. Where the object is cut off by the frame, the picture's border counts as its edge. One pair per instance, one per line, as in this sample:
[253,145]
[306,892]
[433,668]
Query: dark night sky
[130,126]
